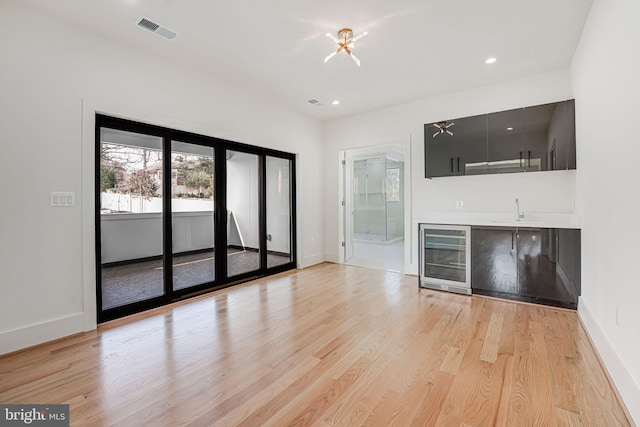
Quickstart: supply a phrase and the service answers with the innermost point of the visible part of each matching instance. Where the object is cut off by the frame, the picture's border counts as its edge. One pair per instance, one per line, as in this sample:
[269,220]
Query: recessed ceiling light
[509,128]
[336,102]
[490,61]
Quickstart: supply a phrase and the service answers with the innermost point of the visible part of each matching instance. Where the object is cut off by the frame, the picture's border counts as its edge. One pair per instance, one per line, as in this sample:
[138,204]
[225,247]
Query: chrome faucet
[519,215]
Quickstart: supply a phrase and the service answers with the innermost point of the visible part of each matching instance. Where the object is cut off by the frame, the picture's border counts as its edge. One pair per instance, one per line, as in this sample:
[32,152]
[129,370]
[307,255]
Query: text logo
[34,415]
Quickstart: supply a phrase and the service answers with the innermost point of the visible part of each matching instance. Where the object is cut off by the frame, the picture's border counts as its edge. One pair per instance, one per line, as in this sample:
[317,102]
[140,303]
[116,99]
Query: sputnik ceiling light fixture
[345,42]
[443,127]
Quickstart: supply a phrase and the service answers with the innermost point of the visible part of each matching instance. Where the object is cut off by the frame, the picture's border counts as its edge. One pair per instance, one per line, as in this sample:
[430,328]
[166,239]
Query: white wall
[278,188]
[242,196]
[132,236]
[605,75]
[538,192]
[52,80]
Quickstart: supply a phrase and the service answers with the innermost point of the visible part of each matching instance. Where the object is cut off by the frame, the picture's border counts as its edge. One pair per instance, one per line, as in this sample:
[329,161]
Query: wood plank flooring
[331,345]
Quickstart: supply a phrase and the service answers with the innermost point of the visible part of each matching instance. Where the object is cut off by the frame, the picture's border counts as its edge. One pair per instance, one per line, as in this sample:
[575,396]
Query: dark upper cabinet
[537,138]
[571,133]
[471,145]
[547,136]
[506,141]
[440,152]
[456,147]
[543,136]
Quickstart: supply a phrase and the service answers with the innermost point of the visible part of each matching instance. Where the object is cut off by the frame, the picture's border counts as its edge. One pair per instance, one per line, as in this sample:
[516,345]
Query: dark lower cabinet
[540,265]
[493,260]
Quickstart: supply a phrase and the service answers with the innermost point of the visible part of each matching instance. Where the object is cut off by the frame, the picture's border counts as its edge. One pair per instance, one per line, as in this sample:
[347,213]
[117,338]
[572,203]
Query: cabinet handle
[529,155]
[458,164]
[451,164]
[512,240]
[521,159]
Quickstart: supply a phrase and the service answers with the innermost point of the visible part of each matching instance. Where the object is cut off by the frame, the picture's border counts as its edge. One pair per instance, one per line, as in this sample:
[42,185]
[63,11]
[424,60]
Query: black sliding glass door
[279,192]
[130,217]
[192,215]
[243,213]
[179,214]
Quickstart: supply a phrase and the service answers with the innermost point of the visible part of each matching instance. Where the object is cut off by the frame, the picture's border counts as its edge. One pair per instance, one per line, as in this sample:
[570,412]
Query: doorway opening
[373,220]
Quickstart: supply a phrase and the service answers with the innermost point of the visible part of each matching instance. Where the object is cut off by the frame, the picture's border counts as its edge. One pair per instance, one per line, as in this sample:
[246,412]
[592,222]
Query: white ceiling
[415,48]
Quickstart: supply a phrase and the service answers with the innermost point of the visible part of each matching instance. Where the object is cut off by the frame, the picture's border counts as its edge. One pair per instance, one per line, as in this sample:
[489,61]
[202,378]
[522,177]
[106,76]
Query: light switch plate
[63,199]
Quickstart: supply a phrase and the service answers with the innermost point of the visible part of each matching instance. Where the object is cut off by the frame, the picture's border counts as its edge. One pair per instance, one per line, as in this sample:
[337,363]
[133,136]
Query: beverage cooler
[445,257]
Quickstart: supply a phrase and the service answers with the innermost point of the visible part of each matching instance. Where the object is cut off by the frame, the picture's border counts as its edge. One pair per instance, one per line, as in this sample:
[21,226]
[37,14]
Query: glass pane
[369,213]
[131,217]
[278,211]
[445,254]
[192,217]
[546,137]
[395,200]
[506,141]
[243,213]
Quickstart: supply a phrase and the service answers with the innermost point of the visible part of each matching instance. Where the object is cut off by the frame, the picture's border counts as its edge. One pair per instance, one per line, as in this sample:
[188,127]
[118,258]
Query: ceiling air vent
[158,29]
[315,102]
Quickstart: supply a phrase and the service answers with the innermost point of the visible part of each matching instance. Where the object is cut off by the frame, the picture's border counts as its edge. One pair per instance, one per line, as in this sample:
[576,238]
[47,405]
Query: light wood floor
[330,345]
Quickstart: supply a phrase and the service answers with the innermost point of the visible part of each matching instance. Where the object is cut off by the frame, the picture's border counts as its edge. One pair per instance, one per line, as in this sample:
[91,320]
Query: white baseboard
[627,388]
[28,336]
[310,260]
[332,257]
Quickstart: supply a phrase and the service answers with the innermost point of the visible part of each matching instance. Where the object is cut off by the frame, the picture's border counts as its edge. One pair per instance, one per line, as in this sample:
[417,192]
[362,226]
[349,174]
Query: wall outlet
[459,205]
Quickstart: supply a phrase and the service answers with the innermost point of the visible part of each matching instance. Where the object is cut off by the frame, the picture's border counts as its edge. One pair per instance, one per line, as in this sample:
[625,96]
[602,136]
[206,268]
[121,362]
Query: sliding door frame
[220,147]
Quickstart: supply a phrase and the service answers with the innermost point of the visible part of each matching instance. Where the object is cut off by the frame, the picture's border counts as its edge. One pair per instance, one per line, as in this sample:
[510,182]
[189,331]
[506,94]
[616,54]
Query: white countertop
[534,220]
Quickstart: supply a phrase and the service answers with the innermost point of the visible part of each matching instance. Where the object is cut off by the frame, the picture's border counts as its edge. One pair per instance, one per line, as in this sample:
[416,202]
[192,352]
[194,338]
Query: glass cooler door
[445,257]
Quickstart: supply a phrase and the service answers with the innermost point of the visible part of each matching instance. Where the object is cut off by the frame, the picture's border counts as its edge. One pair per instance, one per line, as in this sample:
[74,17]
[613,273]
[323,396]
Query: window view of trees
[193,177]
[107,178]
[141,183]
[131,178]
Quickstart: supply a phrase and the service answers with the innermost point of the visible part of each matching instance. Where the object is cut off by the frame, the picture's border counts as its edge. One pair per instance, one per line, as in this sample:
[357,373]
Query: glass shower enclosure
[378,199]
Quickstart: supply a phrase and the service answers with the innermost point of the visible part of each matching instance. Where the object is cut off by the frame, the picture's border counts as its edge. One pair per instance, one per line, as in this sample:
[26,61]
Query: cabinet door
[569,260]
[440,153]
[546,136]
[493,260]
[541,149]
[506,141]
[576,263]
[470,135]
[539,275]
[571,136]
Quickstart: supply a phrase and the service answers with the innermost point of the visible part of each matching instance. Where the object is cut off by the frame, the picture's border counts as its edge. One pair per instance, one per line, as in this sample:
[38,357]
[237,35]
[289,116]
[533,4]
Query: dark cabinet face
[544,139]
[537,138]
[550,136]
[530,264]
[493,260]
[506,141]
[456,147]
[440,153]
[571,133]
[544,265]
[471,143]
